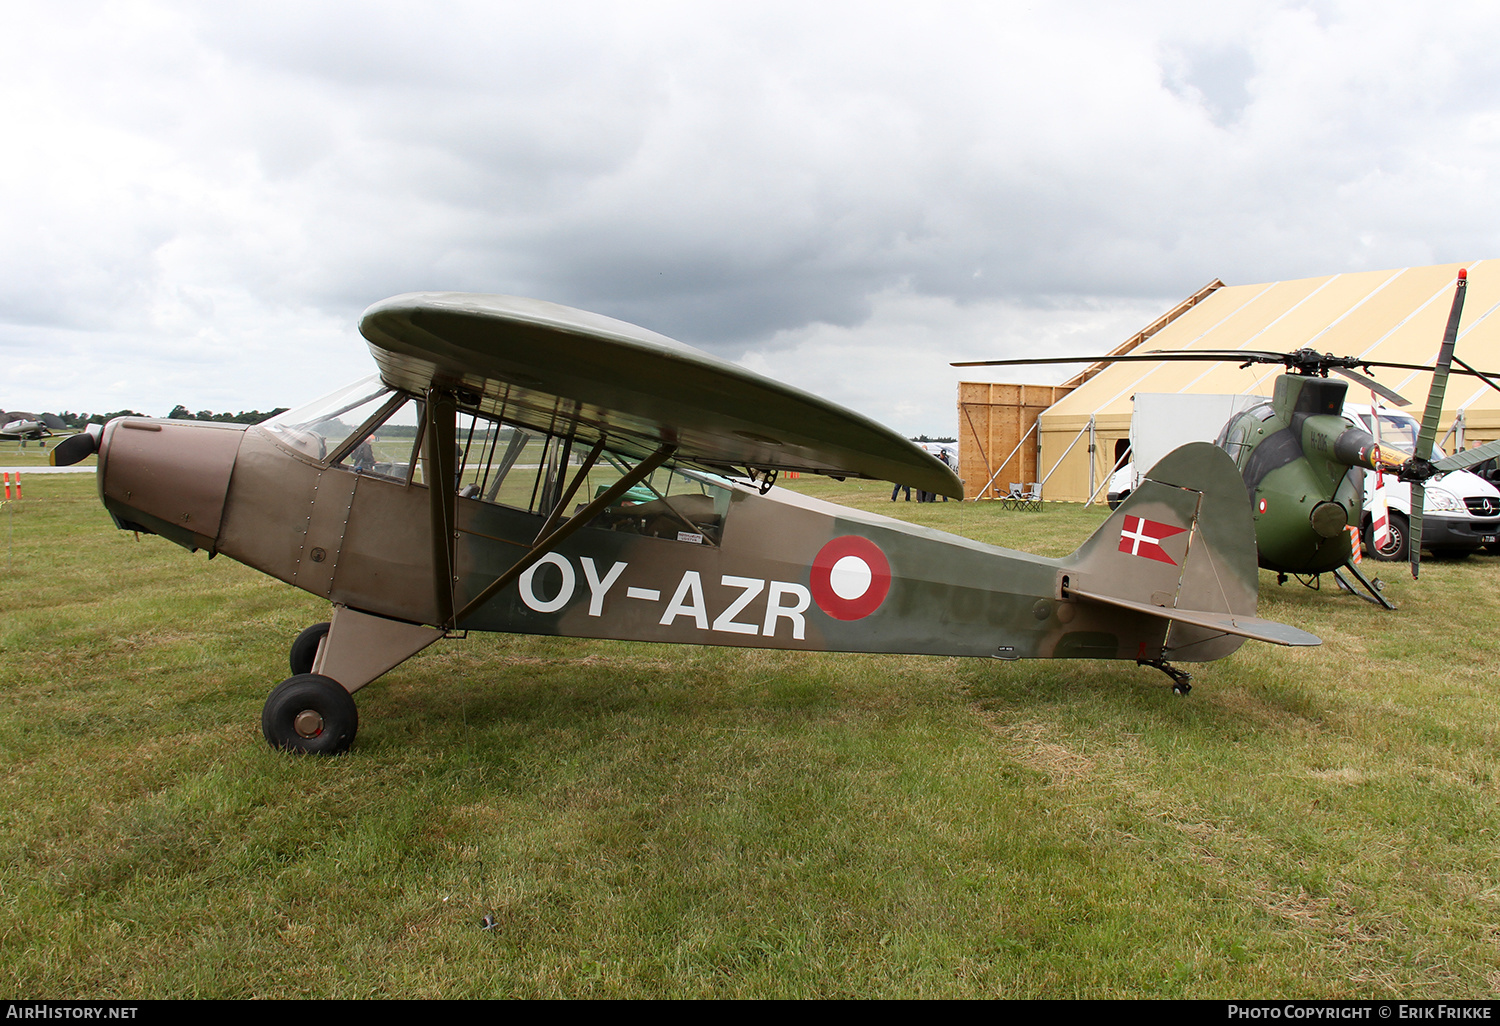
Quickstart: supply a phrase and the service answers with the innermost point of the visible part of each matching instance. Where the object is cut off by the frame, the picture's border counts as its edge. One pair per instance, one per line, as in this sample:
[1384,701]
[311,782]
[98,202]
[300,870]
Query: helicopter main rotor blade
[1372,385]
[1154,356]
[1434,411]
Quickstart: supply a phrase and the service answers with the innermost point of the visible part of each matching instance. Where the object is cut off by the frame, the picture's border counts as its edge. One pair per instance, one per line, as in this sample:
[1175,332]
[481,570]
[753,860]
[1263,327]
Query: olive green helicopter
[1302,458]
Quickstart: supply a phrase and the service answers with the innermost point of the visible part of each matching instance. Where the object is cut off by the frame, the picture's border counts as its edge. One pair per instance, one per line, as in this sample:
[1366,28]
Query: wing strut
[440,471]
[567,496]
[550,541]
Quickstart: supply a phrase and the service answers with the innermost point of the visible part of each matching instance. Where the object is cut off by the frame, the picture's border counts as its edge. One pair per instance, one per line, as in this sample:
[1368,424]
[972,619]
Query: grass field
[633,820]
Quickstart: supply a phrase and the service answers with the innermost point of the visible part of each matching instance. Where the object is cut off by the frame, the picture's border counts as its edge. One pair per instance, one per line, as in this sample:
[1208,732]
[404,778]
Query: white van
[1461,511]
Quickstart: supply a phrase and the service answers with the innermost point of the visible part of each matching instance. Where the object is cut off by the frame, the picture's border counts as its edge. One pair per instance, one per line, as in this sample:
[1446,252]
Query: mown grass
[535,817]
[32,453]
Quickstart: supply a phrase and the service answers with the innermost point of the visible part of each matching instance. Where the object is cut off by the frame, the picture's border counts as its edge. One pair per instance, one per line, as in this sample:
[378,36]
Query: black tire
[305,648]
[312,714]
[1397,533]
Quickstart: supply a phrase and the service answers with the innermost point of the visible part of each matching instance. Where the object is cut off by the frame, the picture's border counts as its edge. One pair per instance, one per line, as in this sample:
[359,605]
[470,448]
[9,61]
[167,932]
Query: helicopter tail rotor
[1428,435]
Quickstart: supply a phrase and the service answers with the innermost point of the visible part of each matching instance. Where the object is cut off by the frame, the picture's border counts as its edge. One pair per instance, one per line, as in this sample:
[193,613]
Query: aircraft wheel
[1394,550]
[305,648]
[310,713]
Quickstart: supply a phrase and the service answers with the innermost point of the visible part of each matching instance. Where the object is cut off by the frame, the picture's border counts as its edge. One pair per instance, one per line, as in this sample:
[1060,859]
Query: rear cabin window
[530,470]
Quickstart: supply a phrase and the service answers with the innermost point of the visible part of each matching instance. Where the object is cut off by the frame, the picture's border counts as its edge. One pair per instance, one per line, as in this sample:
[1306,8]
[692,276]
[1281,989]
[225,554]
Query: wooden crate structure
[993,420]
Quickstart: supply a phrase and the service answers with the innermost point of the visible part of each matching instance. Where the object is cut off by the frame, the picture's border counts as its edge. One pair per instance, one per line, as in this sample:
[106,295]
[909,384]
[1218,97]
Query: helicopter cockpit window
[531,470]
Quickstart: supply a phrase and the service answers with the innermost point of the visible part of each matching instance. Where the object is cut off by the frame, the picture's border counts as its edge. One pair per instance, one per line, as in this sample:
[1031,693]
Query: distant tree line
[180,412]
[924,438]
[78,420]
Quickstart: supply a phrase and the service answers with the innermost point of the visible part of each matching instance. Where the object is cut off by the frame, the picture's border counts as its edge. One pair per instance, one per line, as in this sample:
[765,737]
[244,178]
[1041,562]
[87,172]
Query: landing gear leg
[1182,681]
[313,710]
[1372,587]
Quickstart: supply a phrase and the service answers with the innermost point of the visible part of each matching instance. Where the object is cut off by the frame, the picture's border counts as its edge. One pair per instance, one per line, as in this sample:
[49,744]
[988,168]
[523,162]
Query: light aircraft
[524,467]
[29,426]
[1303,460]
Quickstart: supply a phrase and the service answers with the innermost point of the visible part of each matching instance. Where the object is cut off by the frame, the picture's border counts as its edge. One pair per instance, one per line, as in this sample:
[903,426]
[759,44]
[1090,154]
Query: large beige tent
[1396,316]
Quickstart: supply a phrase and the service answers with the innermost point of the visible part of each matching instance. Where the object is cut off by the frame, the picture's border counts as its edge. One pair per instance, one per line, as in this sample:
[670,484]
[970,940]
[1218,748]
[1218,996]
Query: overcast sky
[199,199]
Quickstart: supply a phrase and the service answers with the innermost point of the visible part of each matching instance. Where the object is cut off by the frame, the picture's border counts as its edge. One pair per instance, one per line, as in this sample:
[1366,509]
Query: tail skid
[1182,548]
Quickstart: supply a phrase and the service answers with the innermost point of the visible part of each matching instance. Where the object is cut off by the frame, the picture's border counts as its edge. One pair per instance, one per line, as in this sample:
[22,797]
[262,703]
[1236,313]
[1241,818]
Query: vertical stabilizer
[1182,547]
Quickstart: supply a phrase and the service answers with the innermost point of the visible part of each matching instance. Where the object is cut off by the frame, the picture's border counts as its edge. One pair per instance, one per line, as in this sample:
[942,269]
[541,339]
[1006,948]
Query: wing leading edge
[563,370]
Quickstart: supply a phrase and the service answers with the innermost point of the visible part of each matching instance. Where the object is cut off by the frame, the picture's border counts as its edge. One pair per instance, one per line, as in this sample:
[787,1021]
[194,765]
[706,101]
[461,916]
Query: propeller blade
[76,448]
[1414,543]
[1434,410]
[1466,459]
[1441,370]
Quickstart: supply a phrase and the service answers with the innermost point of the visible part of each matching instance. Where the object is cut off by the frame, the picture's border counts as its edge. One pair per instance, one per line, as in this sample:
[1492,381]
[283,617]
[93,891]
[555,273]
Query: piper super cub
[525,467]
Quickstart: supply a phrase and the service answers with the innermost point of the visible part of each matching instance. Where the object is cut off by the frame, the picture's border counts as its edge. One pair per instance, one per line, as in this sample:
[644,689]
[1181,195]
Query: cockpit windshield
[375,430]
[364,426]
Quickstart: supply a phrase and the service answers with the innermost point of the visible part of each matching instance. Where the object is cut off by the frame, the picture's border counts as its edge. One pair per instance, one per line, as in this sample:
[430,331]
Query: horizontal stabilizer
[1229,623]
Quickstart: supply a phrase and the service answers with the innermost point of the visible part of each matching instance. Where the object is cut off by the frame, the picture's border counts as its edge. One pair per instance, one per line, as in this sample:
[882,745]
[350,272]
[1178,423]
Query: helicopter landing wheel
[311,714]
[305,648]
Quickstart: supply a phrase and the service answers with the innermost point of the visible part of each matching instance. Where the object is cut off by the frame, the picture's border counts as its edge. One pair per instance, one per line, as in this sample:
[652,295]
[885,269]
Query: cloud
[225,187]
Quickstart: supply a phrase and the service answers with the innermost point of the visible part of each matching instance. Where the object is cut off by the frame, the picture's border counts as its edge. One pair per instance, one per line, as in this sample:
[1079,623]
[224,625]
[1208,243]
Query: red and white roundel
[850,578]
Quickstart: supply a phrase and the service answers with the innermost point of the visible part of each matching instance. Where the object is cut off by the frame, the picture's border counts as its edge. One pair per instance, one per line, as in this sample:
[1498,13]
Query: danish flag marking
[1142,537]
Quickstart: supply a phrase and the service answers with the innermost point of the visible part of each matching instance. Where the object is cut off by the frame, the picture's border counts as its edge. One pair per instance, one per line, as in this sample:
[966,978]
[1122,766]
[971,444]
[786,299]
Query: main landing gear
[313,710]
[305,648]
[312,714]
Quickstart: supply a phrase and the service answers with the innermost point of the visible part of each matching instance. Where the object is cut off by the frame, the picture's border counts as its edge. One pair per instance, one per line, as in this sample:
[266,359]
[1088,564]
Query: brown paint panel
[332,499]
[270,504]
[174,471]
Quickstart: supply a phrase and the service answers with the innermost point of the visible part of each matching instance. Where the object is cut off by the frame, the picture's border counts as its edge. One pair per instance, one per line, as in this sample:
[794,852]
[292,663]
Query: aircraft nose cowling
[168,477]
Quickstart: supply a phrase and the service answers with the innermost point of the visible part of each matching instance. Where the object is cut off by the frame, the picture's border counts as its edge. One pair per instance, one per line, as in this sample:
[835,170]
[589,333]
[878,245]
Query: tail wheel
[1394,549]
[310,713]
[305,648]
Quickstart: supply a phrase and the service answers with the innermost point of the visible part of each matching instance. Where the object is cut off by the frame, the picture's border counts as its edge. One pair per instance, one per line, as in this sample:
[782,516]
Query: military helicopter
[524,467]
[1301,458]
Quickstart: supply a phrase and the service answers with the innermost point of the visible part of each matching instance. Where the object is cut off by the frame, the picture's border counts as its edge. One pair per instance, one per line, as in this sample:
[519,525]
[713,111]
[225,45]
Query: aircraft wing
[557,369]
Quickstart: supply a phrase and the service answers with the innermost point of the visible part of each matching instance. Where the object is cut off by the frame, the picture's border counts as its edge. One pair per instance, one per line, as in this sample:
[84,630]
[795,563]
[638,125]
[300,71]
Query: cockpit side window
[387,443]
